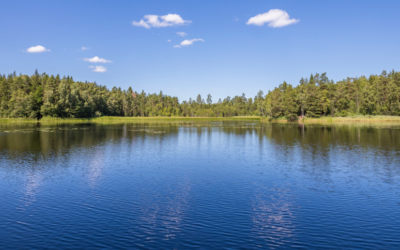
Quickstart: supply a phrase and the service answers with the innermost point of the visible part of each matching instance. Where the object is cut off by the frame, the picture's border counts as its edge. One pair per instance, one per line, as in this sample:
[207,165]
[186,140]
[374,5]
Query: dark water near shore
[217,185]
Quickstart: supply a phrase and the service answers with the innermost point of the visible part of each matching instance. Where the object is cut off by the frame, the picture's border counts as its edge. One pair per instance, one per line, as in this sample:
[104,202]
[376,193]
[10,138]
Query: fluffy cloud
[98,68]
[37,49]
[85,48]
[160,21]
[275,18]
[96,59]
[188,42]
[181,33]
[169,40]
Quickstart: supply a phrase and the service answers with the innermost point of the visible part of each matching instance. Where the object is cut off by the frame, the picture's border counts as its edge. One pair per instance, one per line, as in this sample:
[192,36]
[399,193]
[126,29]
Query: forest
[43,95]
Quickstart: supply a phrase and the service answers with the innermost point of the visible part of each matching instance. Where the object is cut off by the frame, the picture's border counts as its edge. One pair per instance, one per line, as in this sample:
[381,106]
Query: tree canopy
[43,95]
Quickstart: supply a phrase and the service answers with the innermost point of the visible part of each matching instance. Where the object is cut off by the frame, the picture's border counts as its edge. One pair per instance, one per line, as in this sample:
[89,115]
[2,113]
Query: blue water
[230,185]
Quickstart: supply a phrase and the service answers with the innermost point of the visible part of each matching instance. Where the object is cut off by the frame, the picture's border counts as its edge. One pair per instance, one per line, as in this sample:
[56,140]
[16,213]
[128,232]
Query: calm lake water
[215,185]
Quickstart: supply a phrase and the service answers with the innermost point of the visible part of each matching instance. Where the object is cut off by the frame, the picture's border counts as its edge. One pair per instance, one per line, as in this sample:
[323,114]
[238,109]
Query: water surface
[215,185]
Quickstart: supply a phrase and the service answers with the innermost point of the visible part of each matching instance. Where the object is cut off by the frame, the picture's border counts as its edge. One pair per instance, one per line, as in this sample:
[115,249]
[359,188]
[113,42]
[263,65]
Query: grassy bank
[171,119]
[108,119]
[127,119]
[328,119]
[25,120]
[357,118]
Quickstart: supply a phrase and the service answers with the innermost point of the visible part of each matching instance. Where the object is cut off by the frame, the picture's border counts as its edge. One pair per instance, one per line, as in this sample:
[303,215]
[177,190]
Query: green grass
[168,119]
[64,120]
[355,118]
[9,120]
[107,119]
[329,119]
[112,119]
[146,119]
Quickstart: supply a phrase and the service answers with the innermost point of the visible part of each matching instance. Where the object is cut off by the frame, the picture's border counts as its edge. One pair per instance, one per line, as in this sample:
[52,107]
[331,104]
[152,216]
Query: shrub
[292,118]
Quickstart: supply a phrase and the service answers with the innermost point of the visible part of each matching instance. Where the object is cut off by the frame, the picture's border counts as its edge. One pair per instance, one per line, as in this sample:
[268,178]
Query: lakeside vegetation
[356,118]
[119,119]
[328,119]
[48,98]
[127,119]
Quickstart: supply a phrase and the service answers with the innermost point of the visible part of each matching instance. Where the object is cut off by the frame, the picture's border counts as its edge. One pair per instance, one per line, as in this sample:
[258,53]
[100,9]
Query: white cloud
[96,59]
[98,68]
[154,21]
[188,42]
[169,40]
[181,34]
[141,23]
[37,49]
[275,18]
[85,48]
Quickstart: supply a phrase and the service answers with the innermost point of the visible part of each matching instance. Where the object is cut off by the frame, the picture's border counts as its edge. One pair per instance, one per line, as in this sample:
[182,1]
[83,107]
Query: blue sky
[342,38]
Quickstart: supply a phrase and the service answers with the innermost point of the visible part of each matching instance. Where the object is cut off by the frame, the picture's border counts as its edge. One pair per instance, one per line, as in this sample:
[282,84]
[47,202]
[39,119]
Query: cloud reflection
[272,216]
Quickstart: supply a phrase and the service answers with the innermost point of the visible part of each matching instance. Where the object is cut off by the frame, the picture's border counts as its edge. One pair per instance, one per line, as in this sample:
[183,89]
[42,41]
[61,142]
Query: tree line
[41,95]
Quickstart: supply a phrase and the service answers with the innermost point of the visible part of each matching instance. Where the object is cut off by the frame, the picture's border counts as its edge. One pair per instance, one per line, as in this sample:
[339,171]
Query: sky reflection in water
[209,185]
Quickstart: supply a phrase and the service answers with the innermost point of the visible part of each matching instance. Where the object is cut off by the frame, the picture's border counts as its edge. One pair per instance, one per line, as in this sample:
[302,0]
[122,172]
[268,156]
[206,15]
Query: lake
[207,185]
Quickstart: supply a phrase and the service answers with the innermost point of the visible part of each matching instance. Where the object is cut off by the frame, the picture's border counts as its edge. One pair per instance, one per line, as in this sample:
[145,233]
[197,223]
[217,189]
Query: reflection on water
[95,168]
[30,187]
[48,139]
[162,213]
[272,217]
[210,185]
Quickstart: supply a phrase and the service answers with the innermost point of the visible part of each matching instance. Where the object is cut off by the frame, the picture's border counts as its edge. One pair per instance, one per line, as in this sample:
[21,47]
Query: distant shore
[125,119]
[328,119]
[324,119]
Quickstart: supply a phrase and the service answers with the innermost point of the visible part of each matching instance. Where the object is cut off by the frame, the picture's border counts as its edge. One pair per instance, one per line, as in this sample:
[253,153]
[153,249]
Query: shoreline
[305,120]
[358,118]
[124,119]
